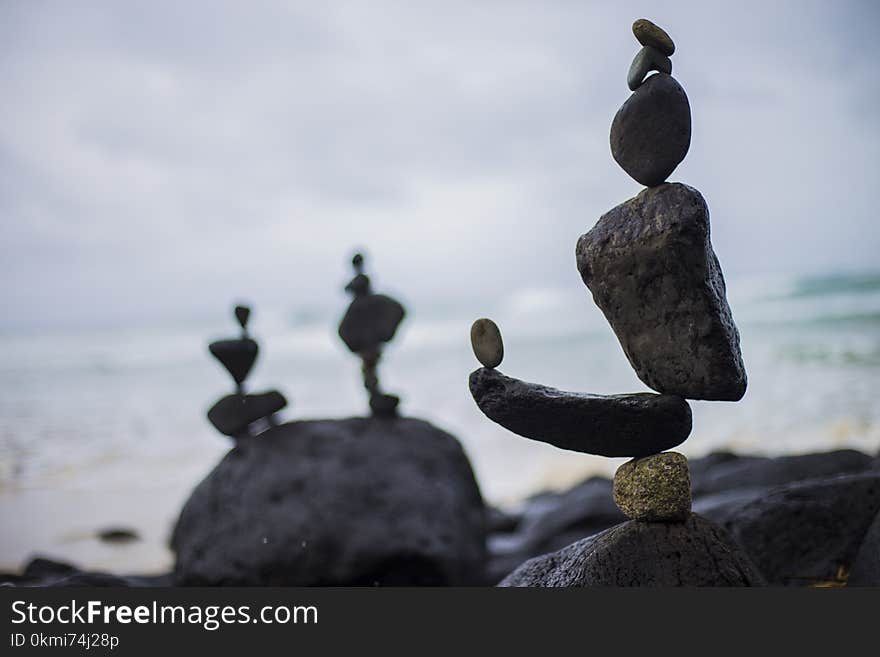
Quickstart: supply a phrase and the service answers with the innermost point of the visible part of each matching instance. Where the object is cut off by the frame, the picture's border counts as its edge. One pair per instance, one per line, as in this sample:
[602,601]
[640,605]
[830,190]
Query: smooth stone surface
[649,34]
[237,356]
[651,269]
[808,533]
[655,488]
[369,321]
[651,132]
[486,342]
[692,553]
[646,60]
[360,501]
[866,567]
[233,414]
[242,315]
[637,424]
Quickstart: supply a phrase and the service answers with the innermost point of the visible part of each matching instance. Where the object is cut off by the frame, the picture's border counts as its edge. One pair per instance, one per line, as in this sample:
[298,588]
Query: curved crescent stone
[637,424]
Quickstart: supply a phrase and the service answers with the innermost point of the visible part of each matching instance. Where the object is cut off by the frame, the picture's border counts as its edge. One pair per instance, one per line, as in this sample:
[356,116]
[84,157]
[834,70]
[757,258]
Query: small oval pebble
[649,34]
[646,60]
[486,342]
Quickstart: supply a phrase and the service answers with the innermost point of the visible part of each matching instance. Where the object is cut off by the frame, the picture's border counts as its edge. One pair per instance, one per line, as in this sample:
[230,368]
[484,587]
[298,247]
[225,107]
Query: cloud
[159,159]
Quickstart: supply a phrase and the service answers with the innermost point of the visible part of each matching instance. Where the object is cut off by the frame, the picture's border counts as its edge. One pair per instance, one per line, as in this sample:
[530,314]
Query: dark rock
[499,521]
[487,343]
[649,34]
[654,488]
[242,315]
[42,572]
[866,567]
[749,471]
[42,568]
[651,132]
[646,60]
[650,266]
[233,414]
[692,553]
[118,535]
[237,356]
[370,320]
[618,425]
[336,502]
[808,532]
[383,405]
[550,521]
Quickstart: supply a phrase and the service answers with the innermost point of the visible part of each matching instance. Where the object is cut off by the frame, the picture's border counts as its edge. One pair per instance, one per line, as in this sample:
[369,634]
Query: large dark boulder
[361,501]
[651,269]
[635,553]
[808,532]
[635,424]
[866,567]
[724,471]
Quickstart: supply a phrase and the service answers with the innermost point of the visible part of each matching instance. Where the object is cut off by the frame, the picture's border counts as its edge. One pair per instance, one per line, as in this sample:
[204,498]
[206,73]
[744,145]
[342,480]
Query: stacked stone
[651,269]
[242,414]
[370,321]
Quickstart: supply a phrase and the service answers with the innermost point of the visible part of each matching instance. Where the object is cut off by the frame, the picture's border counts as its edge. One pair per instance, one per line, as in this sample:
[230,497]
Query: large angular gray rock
[809,532]
[651,132]
[618,425]
[635,553]
[360,501]
[650,266]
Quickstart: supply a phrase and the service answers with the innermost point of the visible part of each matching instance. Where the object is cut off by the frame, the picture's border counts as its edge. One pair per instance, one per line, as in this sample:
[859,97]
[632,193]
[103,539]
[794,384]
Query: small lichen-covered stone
[486,342]
[655,488]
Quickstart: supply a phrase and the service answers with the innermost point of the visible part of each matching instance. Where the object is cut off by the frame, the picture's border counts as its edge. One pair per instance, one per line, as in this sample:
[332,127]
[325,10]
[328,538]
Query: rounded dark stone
[383,405]
[242,315]
[646,60]
[233,414]
[370,320]
[692,553]
[651,132]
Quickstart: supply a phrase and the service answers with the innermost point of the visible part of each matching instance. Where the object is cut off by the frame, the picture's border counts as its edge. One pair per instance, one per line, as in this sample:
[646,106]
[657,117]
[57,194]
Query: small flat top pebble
[486,342]
[649,34]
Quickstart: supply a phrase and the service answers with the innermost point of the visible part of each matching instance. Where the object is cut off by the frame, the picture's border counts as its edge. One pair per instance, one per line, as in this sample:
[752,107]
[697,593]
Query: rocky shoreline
[802,520]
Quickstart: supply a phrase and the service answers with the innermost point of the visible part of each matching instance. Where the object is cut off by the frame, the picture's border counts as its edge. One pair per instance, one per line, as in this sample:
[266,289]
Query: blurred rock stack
[651,269]
[241,414]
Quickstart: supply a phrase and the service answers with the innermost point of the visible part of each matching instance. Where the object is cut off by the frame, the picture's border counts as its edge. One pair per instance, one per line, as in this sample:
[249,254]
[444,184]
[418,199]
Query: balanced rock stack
[370,321]
[241,414]
[651,269]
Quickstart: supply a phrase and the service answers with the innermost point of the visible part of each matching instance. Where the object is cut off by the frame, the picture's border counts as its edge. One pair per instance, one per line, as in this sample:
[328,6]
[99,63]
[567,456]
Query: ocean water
[107,428]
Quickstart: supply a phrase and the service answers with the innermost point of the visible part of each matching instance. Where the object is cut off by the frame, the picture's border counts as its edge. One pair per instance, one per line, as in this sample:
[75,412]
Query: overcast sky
[160,158]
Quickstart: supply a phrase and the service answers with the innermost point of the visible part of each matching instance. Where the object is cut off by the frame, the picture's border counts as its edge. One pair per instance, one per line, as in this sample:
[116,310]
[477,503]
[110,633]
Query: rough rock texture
[619,425]
[651,132]
[655,488]
[649,34]
[370,320]
[487,343]
[722,471]
[233,414]
[693,553]
[808,532]
[550,521]
[646,60]
[360,501]
[650,266]
[866,567]
[237,356]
